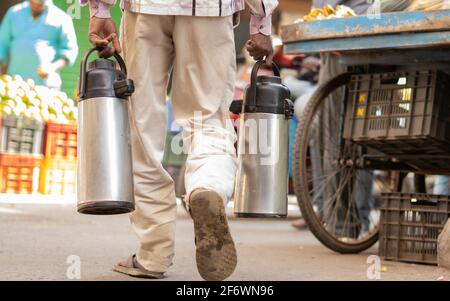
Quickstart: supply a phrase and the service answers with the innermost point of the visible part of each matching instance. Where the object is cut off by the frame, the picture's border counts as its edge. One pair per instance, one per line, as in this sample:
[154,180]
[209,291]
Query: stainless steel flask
[262,178]
[105,178]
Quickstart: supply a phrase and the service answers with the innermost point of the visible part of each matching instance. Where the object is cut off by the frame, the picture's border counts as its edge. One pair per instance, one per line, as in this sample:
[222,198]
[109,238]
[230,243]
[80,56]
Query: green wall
[70,74]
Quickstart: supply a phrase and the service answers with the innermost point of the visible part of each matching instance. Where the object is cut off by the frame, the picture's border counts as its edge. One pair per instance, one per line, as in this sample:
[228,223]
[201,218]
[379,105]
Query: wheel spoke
[340,197]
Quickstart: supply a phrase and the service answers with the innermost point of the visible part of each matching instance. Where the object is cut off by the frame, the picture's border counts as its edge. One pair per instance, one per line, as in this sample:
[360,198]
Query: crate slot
[60,141]
[58,176]
[21,135]
[409,231]
[401,113]
[19,173]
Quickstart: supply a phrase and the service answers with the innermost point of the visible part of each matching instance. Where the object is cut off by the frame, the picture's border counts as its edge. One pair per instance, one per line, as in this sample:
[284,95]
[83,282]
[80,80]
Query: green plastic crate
[173,157]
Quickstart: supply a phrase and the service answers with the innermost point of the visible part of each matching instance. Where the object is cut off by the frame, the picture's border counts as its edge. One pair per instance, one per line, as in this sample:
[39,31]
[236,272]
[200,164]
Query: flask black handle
[254,75]
[84,61]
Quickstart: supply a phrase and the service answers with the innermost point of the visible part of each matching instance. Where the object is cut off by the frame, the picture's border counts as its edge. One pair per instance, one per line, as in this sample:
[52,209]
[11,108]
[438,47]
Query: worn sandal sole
[130,269]
[216,254]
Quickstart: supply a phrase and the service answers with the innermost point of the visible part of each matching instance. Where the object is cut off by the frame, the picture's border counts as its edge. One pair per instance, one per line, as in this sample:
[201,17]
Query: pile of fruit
[328,12]
[23,98]
[429,5]
[411,5]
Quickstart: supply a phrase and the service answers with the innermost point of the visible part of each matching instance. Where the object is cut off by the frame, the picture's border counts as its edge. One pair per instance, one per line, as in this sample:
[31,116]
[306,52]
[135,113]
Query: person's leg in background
[203,88]
[292,127]
[149,53]
[365,201]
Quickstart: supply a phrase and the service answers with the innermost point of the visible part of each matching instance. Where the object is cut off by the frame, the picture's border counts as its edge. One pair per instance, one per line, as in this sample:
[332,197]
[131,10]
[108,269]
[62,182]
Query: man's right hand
[102,32]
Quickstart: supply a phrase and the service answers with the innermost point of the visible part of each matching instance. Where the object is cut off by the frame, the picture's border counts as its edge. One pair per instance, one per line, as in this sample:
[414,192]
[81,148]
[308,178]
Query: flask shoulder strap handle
[83,69]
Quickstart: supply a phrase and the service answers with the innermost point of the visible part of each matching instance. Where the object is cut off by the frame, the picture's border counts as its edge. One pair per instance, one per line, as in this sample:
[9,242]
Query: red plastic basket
[60,141]
[19,173]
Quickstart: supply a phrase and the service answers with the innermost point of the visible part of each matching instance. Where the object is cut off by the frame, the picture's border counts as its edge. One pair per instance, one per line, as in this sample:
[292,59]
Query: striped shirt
[261,10]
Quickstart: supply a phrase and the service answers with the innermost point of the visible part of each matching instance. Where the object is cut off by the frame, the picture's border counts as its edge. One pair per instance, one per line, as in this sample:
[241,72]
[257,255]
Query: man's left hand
[260,46]
[45,70]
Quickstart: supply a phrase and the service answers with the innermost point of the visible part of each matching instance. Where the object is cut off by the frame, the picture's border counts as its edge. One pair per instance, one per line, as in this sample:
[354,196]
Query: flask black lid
[101,64]
[100,78]
[266,93]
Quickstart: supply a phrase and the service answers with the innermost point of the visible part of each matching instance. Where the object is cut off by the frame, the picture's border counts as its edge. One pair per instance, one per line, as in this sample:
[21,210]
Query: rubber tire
[299,173]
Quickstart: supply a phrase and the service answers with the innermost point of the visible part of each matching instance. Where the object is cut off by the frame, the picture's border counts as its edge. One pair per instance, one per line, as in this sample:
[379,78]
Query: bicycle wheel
[338,200]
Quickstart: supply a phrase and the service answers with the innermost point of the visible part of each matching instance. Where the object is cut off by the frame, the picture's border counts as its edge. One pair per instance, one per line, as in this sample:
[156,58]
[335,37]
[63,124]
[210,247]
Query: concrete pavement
[36,241]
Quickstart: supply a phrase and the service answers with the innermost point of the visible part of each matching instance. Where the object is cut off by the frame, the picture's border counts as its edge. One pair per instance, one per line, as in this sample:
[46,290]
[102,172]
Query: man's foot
[132,268]
[216,254]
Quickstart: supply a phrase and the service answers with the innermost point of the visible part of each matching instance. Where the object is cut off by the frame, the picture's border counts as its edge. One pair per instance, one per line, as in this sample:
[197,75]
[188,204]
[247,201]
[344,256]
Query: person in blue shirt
[37,40]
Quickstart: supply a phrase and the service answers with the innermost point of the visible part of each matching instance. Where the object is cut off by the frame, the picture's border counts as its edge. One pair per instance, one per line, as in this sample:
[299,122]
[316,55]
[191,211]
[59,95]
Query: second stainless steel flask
[105,176]
[262,177]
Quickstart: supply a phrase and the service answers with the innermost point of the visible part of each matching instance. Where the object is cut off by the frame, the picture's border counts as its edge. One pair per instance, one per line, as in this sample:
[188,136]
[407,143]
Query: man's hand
[101,33]
[260,46]
[45,70]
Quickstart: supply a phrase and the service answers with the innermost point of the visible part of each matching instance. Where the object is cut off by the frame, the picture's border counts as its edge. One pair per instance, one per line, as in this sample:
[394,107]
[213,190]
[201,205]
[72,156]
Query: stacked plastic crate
[58,173]
[37,138]
[21,154]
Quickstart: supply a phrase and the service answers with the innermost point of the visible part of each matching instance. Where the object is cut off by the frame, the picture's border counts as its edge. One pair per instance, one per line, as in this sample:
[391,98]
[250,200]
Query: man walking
[193,40]
[37,40]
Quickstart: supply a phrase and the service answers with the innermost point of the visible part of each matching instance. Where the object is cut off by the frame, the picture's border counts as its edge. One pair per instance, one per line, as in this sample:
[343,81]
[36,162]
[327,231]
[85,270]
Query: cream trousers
[201,55]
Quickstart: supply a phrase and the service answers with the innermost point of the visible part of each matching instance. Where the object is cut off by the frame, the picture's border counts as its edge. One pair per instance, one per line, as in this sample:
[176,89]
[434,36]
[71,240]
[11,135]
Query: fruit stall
[38,132]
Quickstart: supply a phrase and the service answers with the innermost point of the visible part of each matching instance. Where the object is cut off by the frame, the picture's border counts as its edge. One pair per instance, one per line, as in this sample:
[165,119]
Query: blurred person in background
[303,84]
[37,40]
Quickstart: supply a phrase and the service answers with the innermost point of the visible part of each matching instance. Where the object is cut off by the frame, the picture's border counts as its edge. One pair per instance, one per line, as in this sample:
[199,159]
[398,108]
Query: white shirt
[261,9]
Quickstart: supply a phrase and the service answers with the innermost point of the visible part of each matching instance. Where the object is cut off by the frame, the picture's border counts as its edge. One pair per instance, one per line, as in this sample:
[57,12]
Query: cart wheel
[339,202]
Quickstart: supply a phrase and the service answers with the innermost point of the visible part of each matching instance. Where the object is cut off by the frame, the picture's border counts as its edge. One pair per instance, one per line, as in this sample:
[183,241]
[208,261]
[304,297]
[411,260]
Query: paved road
[36,240]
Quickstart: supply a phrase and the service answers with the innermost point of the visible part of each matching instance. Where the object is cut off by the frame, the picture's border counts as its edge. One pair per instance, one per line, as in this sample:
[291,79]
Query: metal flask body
[105,175]
[262,177]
